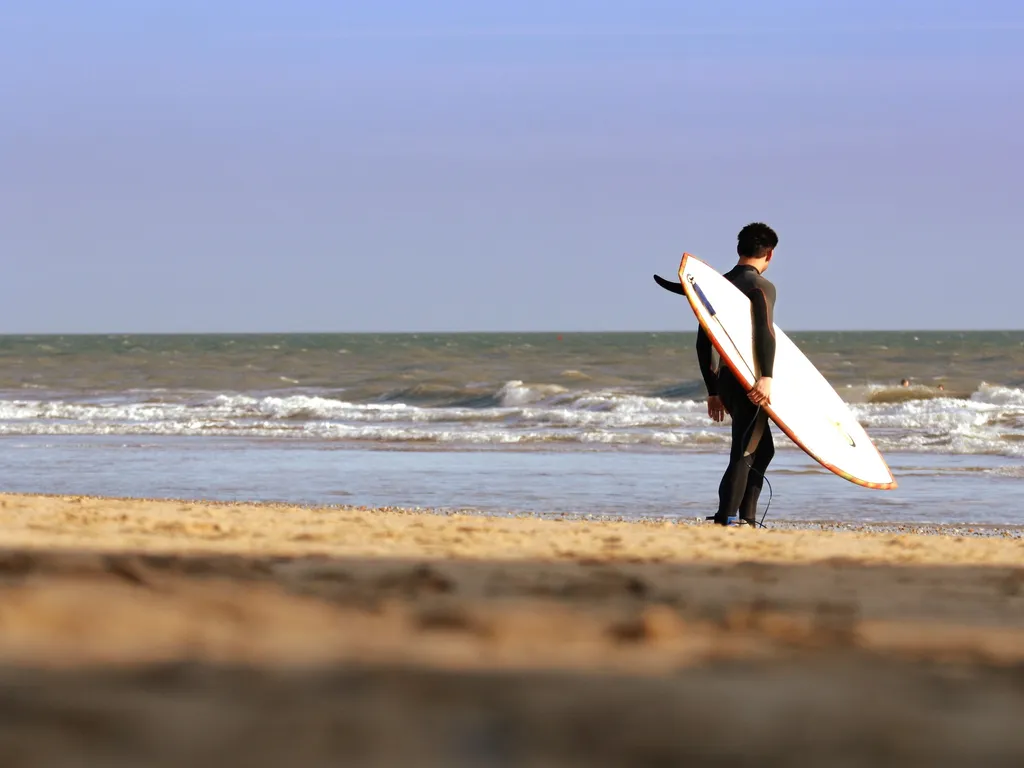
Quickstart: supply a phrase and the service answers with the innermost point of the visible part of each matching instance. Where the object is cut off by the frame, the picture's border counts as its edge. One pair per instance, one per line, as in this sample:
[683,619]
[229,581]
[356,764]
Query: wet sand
[189,633]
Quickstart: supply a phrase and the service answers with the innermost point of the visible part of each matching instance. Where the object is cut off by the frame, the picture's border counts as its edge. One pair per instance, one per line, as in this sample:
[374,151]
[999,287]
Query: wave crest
[990,420]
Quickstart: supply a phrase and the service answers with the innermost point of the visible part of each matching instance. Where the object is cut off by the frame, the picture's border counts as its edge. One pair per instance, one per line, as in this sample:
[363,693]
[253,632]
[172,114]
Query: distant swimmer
[905,383]
[751,436]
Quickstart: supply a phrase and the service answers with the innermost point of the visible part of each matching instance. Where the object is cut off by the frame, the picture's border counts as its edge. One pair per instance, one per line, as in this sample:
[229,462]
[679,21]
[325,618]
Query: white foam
[991,421]
[997,395]
[515,393]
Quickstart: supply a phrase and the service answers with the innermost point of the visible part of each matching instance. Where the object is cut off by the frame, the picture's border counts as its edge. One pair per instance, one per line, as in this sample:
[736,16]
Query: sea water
[602,423]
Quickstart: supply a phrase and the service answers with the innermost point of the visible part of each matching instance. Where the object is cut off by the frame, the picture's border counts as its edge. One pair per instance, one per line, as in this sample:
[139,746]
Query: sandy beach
[170,632]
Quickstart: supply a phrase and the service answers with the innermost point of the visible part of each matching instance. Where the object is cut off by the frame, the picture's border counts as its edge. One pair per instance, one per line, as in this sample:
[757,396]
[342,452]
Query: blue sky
[418,166]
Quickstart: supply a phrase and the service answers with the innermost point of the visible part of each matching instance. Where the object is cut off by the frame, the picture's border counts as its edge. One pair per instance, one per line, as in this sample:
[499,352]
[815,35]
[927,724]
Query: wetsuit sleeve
[704,360]
[762,301]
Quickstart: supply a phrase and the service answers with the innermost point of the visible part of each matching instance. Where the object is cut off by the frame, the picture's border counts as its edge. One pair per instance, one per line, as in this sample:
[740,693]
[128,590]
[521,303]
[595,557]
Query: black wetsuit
[752,444]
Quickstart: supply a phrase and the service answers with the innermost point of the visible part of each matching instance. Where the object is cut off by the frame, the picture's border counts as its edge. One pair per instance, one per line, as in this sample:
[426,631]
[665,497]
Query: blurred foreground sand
[187,633]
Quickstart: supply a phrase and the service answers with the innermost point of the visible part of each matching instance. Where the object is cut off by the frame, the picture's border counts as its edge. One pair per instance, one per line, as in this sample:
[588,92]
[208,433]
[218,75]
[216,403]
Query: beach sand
[137,632]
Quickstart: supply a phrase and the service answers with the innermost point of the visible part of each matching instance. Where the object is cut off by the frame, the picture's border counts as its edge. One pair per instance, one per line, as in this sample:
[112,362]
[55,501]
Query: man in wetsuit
[752,446]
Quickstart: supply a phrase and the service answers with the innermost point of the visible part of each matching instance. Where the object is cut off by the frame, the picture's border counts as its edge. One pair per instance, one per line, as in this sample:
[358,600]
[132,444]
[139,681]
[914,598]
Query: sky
[254,166]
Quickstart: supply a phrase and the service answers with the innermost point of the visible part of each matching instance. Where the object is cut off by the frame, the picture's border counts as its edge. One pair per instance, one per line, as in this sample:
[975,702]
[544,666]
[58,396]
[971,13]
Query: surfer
[752,445]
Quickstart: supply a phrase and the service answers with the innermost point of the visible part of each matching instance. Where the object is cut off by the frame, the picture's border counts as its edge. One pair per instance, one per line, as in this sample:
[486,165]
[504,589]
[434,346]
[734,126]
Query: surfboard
[803,404]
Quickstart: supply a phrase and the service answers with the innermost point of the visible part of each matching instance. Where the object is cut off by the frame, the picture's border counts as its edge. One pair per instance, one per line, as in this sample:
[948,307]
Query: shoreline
[919,528]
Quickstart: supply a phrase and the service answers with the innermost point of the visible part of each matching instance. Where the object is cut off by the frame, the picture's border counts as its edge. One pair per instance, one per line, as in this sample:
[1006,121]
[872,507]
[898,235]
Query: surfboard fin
[670,285]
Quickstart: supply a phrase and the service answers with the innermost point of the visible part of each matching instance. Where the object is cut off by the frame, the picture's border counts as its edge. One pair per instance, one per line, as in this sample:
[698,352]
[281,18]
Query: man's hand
[716,409]
[761,394]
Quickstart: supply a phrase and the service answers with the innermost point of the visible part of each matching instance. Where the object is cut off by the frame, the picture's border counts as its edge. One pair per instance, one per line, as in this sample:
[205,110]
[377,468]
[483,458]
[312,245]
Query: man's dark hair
[755,239]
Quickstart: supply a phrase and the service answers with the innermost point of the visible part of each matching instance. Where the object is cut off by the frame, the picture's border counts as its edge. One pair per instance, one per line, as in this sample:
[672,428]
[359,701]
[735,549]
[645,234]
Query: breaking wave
[989,420]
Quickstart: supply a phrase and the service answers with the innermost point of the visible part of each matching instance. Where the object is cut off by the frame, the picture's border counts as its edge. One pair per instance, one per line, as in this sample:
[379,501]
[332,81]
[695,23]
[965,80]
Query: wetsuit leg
[733,487]
[759,462]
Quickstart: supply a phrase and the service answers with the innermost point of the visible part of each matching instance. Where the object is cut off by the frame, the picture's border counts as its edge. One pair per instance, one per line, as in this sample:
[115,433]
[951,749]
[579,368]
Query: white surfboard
[803,403]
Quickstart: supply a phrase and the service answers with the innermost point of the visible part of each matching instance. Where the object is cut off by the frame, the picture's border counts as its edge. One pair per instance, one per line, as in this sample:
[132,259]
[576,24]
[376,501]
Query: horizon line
[493,332]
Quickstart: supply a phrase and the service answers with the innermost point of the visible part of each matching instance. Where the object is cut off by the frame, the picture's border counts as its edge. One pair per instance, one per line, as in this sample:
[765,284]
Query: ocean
[582,423]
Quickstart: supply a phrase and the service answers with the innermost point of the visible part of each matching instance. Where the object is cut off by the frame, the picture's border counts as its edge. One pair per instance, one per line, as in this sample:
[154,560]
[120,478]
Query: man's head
[756,243]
